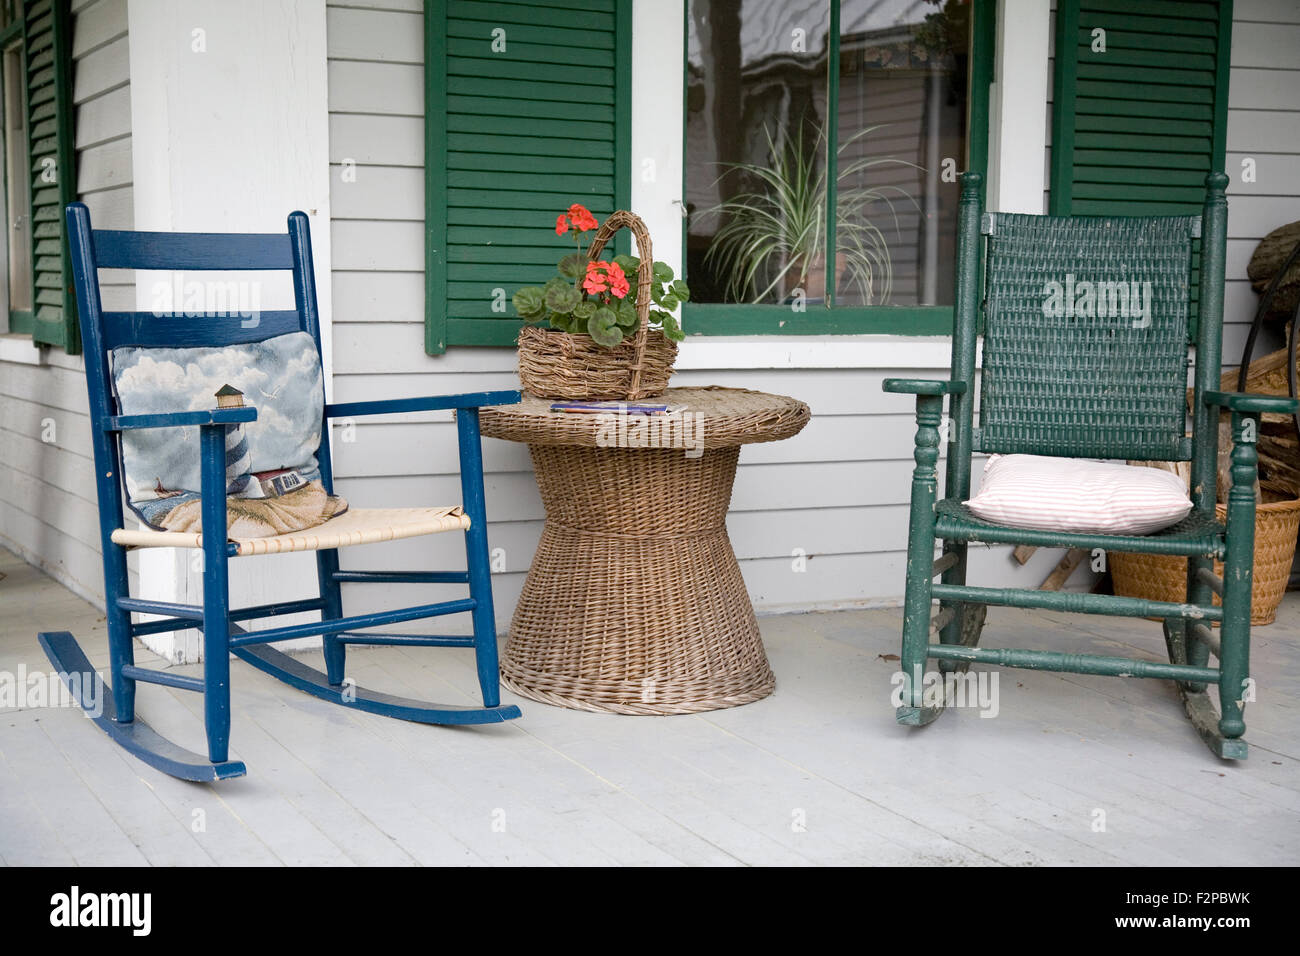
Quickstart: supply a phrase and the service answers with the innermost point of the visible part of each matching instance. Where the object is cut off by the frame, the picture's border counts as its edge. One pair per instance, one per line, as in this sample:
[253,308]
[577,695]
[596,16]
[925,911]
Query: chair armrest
[923,386]
[426,403]
[212,416]
[1251,402]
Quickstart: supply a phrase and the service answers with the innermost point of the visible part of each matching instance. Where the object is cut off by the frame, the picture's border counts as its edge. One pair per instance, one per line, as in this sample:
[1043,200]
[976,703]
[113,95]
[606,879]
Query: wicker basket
[1159,577]
[555,364]
[1279,447]
[1266,375]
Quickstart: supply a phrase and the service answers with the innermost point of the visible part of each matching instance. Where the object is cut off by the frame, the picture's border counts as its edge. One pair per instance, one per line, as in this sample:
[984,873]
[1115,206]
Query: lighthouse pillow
[272,478]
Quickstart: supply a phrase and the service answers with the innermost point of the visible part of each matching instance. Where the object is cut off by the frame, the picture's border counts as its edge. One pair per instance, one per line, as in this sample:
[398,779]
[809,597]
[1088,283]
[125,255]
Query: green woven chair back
[1085,336]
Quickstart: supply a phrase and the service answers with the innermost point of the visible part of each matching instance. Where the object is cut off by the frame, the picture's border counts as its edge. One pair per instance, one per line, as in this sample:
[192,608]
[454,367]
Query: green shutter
[47,37]
[1136,128]
[513,137]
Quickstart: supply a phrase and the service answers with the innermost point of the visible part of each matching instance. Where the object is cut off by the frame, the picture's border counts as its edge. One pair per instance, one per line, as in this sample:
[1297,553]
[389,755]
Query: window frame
[21,321]
[724,319]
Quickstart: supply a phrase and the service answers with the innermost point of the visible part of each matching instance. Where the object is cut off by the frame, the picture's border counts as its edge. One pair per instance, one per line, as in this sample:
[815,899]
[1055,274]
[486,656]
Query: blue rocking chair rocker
[220,624]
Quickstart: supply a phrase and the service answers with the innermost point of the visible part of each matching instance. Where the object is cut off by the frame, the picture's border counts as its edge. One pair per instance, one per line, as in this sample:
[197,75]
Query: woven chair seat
[1197,534]
[354,526]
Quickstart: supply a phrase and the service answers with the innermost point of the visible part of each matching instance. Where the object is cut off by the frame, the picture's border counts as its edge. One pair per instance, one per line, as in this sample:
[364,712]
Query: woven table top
[723,418]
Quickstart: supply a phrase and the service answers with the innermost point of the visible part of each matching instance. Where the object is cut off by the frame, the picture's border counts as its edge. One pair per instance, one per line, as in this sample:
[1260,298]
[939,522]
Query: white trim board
[1017,119]
[17,347]
[828,351]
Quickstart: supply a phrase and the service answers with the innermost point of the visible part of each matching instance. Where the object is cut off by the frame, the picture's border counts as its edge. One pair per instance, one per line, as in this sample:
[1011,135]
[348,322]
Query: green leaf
[602,329]
[663,272]
[605,337]
[557,283]
[573,265]
[625,314]
[681,290]
[562,298]
[584,310]
[530,302]
[673,331]
[629,264]
[561,322]
[669,302]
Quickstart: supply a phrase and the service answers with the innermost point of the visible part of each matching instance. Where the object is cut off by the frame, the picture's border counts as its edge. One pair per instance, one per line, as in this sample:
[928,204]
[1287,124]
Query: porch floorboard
[818,773]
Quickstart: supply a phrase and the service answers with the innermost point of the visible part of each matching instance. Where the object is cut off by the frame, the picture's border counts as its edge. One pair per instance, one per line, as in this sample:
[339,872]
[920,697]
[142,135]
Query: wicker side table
[634,603]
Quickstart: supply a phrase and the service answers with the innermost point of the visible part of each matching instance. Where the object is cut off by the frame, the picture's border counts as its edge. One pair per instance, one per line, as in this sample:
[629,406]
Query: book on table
[616,408]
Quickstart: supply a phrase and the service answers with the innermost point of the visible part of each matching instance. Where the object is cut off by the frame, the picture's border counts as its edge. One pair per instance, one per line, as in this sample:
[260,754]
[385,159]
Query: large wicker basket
[1160,577]
[555,364]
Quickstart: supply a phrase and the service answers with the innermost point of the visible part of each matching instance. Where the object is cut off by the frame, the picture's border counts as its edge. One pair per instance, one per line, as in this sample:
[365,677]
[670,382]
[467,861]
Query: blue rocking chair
[221,625]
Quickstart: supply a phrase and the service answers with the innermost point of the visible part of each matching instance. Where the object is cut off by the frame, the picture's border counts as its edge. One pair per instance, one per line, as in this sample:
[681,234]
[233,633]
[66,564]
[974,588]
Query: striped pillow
[1075,495]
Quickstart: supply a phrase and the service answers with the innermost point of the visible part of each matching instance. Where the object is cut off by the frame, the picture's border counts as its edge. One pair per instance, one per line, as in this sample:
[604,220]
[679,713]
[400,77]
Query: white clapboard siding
[377,450]
[48,512]
[1263,127]
[102,68]
[97,25]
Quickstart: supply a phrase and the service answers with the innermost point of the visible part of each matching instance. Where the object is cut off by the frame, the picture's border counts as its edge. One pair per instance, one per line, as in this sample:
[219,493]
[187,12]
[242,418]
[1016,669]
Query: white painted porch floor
[817,773]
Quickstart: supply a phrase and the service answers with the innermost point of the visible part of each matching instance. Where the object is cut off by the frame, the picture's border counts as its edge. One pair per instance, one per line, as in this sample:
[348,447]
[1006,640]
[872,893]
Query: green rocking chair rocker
[1094,387]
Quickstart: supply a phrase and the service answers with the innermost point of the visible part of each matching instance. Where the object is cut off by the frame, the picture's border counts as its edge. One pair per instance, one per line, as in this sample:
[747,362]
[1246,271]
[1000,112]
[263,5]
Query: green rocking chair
[1092,385]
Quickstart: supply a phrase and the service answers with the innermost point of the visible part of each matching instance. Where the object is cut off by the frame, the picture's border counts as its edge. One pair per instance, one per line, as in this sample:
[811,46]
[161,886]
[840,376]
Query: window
[18,207]
[822,145]
[38,167]
[527,110]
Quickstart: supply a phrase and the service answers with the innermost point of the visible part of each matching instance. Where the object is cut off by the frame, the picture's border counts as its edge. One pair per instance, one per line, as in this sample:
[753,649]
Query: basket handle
[644,274]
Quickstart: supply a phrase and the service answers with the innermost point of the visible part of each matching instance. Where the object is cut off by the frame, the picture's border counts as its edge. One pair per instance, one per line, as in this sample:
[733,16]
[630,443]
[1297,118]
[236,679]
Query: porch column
[230,133]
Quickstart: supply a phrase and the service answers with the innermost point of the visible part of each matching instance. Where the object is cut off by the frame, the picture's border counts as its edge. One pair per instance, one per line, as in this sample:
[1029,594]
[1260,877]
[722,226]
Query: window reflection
[756,149]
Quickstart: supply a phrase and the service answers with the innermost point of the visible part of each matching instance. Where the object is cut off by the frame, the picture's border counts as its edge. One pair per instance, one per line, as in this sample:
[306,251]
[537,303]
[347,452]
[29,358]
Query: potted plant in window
[773,234]
[601,329]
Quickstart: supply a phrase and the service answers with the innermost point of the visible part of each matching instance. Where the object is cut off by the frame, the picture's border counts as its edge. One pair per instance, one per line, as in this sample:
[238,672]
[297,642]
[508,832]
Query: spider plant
[774,235]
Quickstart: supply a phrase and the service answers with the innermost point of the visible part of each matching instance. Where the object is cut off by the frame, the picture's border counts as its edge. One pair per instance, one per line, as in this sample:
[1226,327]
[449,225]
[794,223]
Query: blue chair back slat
[115,249]
[180,331]
[94,249]
[304,294]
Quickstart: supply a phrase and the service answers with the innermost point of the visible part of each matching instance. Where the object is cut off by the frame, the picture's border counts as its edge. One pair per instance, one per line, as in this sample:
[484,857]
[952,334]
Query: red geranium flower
[581,217]
[605,277]
[578,218]
[618,284]
[594,283]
